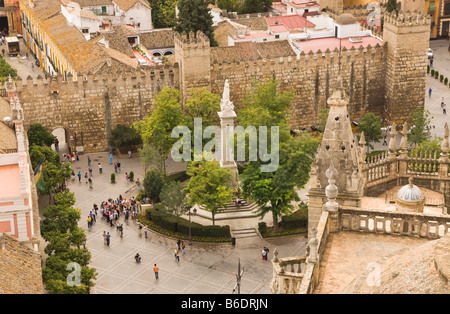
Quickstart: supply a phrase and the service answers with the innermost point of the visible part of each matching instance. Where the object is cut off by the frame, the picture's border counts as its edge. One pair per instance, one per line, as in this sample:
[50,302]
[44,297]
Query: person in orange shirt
[156,270]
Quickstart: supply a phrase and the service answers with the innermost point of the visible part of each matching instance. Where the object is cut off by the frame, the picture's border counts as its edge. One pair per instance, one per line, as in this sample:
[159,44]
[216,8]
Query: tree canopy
[38,135]
[193,16]
[371,125]
[209,185]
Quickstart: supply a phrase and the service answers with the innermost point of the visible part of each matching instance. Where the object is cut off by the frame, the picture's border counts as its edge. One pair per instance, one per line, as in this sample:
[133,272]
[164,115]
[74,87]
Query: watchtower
[407,37]
[193,54]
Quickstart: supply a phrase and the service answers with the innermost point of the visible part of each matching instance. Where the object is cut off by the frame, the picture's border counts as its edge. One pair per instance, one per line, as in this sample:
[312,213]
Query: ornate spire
[339,97]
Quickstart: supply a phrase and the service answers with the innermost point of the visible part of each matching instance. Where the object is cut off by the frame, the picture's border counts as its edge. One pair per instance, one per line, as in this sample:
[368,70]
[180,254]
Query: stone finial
[313,245]
[393,141]
[275,256]
[404,142]
[331,191]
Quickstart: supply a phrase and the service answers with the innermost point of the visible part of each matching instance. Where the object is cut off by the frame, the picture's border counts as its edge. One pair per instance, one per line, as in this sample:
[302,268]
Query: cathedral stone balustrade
[394,223]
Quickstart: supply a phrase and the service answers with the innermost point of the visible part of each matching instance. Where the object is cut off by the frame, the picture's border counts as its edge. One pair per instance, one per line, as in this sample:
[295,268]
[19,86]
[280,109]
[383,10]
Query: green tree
[210,185]
[202,104]
[153,185]
[156,129]
[124,136]
[230,5]
[193,16]
[173,199]
[371,125]
[54,174]
[275,191]
[255,6]
[392,6]
[150,157]
[322,119]
[163,13]
[419,120]
[6,70]
[60,230]
[38,135]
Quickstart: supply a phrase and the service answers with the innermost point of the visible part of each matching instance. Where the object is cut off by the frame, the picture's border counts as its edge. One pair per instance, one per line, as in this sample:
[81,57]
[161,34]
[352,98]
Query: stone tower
[193,54]
[412,5]
[407,38]
[334,5]
[339,148]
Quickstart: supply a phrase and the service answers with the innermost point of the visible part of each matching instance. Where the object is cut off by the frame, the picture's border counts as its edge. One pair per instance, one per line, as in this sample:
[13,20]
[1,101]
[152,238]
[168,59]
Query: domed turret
[410,198]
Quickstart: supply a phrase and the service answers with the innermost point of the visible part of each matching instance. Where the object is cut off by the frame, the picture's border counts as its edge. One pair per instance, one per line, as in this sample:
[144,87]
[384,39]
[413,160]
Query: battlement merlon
[194,40]
[407,19]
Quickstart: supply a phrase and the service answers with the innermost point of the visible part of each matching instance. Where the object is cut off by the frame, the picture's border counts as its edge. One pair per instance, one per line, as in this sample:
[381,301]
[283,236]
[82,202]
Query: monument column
[227,115]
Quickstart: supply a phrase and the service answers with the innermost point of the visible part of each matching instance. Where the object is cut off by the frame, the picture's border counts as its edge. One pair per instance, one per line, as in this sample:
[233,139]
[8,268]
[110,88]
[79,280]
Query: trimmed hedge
[169,222]
[298,219]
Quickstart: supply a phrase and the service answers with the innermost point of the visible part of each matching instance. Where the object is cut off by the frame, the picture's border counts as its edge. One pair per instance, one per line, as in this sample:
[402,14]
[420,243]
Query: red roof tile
[290,21]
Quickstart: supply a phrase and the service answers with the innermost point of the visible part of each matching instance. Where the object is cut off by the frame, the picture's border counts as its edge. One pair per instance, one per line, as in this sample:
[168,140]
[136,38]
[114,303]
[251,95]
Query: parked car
[430,53]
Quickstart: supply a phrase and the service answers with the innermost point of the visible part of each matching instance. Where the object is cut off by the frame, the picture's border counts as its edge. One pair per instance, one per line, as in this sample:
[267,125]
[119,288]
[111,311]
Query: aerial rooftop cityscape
[246,147]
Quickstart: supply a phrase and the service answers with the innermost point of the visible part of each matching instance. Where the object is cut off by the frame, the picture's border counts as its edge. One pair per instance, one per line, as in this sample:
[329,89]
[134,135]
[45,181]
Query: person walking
[267,252]
[100,168]
[104,237]
[176,254]
[110,159]
[90,171]
[129,154]
[179,244]
[91,183]
[127,177]
[89,161]
[115,167]
[86,178]
[156,270]
[429,92]
[79,177]
[444,109]
[108,239]
[89,221]
[183,246]
[137,257]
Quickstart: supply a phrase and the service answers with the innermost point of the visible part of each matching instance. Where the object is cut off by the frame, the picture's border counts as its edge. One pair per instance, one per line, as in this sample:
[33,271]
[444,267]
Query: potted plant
[446,81]
[428,69]
[441,77]
[436,74]
[131,176]
[432,72]
[113,178]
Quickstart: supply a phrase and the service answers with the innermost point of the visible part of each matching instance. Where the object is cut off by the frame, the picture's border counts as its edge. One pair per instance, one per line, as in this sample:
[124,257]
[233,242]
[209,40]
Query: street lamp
[194,212]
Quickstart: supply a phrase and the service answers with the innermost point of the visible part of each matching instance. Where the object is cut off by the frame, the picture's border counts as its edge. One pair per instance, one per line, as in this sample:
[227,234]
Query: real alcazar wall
[388,80]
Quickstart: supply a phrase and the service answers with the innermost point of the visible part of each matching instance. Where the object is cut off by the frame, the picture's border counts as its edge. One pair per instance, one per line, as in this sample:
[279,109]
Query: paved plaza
[203,269]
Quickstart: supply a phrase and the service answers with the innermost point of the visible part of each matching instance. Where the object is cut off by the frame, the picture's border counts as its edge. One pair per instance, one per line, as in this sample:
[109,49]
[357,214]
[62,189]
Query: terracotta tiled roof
[93,3]
[162,38]
[252,50]
[290,21]
[118,40]
[254,23]
[21,271]
[125,5]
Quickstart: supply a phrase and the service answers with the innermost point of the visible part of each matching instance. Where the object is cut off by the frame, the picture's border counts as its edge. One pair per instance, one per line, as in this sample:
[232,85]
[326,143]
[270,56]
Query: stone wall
[89,109]
[311,77]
